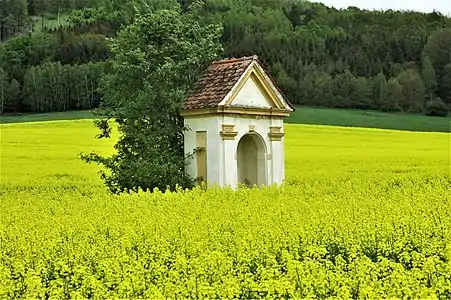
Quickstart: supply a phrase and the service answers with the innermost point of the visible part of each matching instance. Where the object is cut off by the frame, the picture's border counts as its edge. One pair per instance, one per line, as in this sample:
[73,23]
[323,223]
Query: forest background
[53,52]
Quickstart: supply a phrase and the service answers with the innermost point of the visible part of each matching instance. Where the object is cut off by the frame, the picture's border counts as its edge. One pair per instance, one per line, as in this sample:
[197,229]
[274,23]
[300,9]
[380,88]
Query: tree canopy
[157,59]
[320,56]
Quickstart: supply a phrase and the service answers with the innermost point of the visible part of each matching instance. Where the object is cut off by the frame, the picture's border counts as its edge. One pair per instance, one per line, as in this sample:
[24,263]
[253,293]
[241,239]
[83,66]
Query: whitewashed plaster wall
[222,154]
[212,127]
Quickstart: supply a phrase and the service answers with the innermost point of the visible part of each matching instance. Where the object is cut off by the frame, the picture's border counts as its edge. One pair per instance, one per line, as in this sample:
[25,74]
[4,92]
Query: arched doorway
[251,160]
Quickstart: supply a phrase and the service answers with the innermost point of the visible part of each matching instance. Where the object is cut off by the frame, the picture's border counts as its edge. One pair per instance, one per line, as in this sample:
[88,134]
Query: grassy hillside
[67,115]
[302,115]
[369,119]
[364,213]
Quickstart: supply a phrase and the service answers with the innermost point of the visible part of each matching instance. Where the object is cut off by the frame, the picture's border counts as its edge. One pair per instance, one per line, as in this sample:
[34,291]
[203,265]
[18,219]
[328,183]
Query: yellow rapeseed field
[364,213]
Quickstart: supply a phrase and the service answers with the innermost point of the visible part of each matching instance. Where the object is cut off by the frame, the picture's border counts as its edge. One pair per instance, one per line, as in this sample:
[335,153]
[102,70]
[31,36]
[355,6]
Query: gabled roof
[221,80]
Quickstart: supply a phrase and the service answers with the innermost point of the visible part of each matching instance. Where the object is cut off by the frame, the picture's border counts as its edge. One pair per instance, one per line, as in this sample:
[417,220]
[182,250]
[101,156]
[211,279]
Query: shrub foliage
[157,61]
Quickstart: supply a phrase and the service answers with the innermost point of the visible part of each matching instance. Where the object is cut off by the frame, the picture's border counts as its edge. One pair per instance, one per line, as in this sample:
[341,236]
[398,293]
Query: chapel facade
[236,131]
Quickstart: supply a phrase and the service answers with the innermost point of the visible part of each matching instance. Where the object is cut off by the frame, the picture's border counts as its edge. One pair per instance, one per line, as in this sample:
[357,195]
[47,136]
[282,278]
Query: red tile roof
[218,80]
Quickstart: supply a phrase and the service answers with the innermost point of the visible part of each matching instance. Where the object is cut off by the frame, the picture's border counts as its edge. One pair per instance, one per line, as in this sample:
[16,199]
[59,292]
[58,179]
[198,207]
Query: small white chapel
[235,120]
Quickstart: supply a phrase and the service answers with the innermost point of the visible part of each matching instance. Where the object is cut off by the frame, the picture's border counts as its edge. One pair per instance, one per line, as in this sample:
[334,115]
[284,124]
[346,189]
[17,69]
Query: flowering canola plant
[364,213]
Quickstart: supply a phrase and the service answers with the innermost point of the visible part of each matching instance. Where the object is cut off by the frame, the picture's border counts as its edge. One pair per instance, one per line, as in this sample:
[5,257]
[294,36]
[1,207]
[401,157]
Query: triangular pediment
[254,90]
[252,94]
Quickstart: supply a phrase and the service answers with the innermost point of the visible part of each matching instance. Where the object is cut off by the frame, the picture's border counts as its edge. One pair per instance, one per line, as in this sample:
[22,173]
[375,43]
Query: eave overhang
[238,111]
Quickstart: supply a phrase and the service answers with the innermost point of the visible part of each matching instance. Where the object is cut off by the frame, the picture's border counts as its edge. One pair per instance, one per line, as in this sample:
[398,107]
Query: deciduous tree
[394,95]
[3,88]
[413,91]
[158,59]
[380,91]
[446,84]
[429,78]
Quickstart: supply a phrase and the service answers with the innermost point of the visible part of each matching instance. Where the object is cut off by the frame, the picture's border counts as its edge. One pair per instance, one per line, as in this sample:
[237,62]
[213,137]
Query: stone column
[278,161]
[228,135]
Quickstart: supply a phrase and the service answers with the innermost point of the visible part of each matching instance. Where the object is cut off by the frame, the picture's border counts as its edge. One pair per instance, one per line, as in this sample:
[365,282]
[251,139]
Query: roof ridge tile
[234,59]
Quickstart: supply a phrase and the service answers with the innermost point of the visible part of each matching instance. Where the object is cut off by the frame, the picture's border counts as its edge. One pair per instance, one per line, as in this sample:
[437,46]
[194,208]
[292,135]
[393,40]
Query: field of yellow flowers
[364,213]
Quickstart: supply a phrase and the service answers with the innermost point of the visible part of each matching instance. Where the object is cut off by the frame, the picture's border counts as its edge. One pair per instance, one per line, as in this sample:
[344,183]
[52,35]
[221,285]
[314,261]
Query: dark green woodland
[53,52]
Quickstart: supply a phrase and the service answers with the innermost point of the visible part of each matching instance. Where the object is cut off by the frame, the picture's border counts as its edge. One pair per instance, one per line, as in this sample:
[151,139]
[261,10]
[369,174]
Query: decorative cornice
[236,111]
[228,132]
[250,117]
[275,133]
